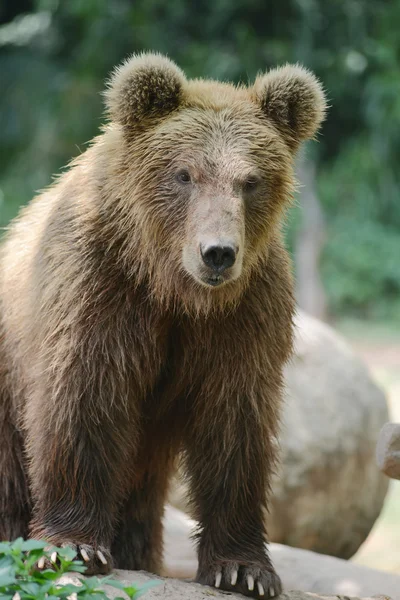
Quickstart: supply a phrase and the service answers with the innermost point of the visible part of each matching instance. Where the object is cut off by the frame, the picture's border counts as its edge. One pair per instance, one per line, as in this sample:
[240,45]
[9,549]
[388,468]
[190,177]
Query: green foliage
[361,269]
[360,265]
[19,574]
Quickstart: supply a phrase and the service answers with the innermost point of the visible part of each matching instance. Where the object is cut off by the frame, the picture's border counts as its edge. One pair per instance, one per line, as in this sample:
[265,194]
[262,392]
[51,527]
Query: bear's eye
[183,176]
[251,183]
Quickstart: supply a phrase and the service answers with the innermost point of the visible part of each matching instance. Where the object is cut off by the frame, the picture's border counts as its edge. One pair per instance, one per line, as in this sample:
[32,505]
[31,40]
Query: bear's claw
[101,557]
[218,579]
[250,582]
[85,555]
[97,561]
[261,583]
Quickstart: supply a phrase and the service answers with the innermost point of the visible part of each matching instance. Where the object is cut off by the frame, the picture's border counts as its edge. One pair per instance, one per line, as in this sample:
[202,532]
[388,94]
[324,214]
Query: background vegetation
[55,54]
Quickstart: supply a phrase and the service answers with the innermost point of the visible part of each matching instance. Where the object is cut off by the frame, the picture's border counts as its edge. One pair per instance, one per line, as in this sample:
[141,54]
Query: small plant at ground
[21,579]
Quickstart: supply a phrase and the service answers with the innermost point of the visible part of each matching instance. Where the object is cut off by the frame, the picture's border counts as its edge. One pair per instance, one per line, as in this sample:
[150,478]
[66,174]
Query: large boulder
[388,450]
[328,491]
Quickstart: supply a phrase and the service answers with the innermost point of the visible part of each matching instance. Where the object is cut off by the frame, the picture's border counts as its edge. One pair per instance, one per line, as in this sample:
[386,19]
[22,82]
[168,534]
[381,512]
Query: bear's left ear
[144,88]
[294,100]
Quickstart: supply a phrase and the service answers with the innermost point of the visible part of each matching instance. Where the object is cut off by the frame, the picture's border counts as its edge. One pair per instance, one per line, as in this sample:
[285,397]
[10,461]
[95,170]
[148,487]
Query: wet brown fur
[114,359]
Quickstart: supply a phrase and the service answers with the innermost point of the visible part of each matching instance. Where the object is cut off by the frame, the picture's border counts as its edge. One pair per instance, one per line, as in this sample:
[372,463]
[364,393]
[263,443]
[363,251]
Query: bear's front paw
[248,579]
[97,560]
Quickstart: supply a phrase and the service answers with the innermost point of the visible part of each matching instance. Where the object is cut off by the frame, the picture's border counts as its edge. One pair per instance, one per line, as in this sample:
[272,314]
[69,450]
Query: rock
[388,450]
[328,492]
[299,569]
[323,574]
[173,589]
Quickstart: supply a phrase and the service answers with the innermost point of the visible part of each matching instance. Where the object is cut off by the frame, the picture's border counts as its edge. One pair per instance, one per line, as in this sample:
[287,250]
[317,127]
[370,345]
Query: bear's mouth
[215,280]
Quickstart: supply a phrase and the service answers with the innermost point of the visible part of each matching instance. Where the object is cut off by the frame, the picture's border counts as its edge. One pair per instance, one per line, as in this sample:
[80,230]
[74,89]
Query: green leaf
[143,588]
[6,561]
[47,574]
[113,582]
[7,576]
[70,589]
[17,545]
[30,587]
[77,568]
[67,553]
[92,583]
[32,545]
[131,591]
[46,587]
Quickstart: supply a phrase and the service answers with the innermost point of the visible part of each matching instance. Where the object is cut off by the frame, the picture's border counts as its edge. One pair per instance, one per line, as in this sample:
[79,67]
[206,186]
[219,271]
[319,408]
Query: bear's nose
[218,257]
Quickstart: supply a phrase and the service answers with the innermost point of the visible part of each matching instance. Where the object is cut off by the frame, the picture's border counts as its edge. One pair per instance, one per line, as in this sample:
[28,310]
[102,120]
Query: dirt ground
[380,348]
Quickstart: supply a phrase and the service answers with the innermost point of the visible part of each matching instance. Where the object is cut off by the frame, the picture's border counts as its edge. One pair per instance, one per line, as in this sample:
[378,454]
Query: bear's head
[205,172]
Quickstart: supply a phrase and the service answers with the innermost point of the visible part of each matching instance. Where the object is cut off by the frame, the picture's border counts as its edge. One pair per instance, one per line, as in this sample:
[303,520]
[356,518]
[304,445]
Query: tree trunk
[310,239]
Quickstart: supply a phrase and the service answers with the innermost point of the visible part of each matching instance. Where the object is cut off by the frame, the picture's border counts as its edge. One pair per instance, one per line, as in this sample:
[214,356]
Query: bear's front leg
[230,458]
[80,448]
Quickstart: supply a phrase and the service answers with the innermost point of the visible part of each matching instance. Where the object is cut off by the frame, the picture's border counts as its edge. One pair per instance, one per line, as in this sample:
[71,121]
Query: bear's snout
[218,257]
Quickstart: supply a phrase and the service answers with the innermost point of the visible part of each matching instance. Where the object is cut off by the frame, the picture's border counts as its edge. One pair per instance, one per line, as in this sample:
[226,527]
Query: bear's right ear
[144,88]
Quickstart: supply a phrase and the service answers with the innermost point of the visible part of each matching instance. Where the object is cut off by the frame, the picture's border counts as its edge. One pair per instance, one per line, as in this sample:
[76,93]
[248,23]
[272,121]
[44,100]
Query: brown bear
[146,314]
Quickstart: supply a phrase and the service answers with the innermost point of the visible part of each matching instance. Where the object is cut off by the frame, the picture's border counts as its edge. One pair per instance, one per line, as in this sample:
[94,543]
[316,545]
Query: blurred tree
[309,242]
[55,54]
